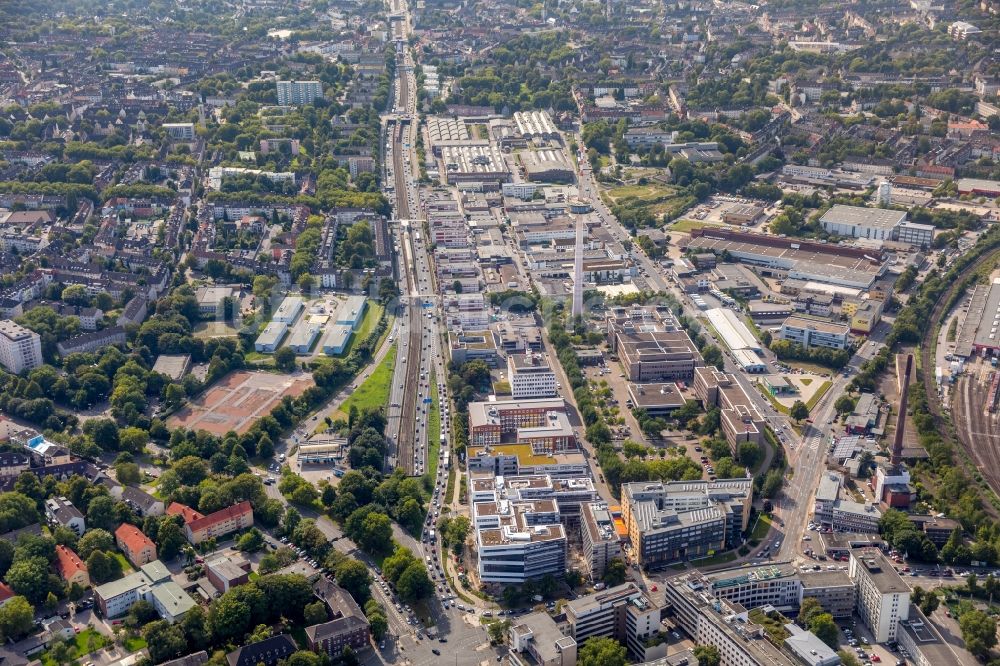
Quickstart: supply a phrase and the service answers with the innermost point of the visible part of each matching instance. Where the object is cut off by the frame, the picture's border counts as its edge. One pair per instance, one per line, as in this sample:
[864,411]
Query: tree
[251,542]
[979,632]
[95,539]
[602,652]
[707,655]
[165,641]
[414,584]
[845,404]
[128,473]
[314,613]
[29,577]
[376,535]
[497,632]
[930,603]
[353,576]
[169,539]
[799,411]
[809,609]
[141,613]
[132,439]
[825,628]
[103,567]
[614,573]
[378,624]
[284,359]
[101,513]
[17,617]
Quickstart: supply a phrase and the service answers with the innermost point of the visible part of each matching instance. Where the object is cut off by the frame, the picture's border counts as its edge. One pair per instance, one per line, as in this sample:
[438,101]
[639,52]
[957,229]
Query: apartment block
[199,527]
[621,613]
[59,511]
[136,546]
[295,93]
[883,599]
[20,348]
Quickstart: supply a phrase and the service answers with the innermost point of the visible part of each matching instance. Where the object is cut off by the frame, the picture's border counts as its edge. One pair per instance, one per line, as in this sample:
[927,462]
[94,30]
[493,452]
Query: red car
[876,658]
[654,588]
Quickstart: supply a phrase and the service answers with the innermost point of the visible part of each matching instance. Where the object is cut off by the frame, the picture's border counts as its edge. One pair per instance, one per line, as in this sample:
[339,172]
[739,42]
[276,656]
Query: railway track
[407,439]
[973,426]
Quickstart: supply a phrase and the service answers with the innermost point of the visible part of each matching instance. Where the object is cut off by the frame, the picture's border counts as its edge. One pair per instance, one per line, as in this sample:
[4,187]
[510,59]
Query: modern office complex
[621,613]
[682,520]
[490,421]
[517,540]
[601,542]
[530,376]
[740,419]
[815,333]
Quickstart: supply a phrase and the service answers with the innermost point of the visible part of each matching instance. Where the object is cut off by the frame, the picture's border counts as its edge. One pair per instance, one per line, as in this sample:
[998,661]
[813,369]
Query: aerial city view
[499,332]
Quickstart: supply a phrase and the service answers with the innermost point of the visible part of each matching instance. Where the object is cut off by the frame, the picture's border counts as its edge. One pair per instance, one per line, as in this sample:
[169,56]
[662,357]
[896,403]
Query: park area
[237,400]
[648,198]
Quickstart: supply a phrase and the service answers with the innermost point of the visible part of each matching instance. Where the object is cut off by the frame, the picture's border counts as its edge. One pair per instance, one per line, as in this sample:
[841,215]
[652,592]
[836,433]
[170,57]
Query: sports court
[237,400]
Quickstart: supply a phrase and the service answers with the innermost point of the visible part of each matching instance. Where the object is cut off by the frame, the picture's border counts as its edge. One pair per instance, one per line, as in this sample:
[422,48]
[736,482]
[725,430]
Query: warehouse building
[270,338]
[470,163]
[548,165]
[304,336]
[793,258]
[288,310]
[535,125]
[352,312]
[859,222]
[734,332]
[980,332]
[337,338]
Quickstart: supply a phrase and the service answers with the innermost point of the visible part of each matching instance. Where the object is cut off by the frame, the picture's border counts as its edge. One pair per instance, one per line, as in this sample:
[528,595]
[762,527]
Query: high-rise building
[293,93]
[20,348]
[531,376]
[883,598]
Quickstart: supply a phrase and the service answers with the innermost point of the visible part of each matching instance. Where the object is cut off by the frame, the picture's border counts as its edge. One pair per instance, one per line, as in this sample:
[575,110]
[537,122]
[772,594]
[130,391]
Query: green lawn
[134,643]
[721,558]
[126,566]
[434,429]
[818,395]
[761,527]
[84,643]
[688,225]
[372,314]
[374,392]
[643,194]
[449,490]
[89,640]
[214,329]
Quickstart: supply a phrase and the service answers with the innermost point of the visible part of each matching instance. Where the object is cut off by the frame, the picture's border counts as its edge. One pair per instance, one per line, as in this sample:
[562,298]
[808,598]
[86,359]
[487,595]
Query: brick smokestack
[897,442]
